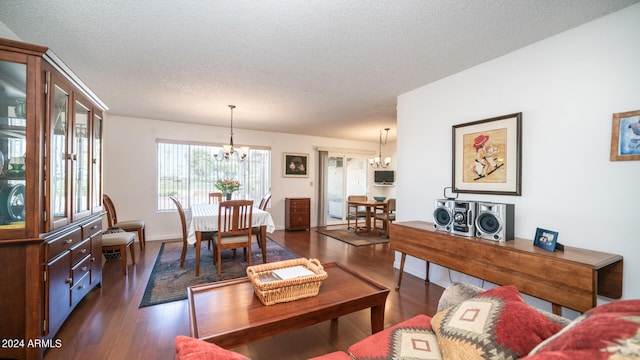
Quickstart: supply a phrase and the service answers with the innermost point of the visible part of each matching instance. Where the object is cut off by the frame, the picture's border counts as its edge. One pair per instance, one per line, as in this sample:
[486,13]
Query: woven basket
[272,291]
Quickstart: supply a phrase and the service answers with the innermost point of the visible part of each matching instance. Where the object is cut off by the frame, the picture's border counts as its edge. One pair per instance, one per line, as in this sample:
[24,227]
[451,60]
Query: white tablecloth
[204,217]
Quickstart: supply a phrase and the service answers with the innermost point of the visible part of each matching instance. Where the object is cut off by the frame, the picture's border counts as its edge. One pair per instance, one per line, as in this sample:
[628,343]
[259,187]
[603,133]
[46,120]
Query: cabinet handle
[81,287]
[68,241]
[84,268]
[83,251]
[69,280]
[94,227]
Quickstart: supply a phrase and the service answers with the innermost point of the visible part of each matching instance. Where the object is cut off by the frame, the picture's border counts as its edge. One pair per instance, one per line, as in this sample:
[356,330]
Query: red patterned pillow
[610,331]
[496,323]
[410,339]
[188,348]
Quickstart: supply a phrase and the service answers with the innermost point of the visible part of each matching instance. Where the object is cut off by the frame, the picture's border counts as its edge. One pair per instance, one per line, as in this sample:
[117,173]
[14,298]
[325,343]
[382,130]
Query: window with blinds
[189,172]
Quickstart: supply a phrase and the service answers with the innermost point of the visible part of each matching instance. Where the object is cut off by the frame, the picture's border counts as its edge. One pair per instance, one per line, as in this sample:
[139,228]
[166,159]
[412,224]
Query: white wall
[567,87]
[129,166]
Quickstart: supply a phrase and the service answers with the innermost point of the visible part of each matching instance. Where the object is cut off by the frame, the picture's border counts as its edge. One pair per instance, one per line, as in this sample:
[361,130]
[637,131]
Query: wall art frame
[487,156]
[546,239]
[295,165]
[625,136]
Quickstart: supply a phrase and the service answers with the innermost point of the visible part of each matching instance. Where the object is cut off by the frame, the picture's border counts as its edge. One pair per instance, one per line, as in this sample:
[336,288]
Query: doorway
[346,175]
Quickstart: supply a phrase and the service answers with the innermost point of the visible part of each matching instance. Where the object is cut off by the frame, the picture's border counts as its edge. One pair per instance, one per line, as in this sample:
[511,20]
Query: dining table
[204,218]
[371,207]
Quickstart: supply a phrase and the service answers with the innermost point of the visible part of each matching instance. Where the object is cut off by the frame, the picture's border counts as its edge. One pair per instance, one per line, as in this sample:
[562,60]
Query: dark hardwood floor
[108,324]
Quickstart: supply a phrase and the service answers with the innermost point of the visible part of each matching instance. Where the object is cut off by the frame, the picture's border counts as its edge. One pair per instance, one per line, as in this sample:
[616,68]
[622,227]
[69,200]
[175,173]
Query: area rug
[354,239]
[168,281]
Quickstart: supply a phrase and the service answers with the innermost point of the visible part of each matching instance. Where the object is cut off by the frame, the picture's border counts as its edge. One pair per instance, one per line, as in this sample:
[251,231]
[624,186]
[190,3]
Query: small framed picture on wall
[625,136]
[295,165]
[546,239]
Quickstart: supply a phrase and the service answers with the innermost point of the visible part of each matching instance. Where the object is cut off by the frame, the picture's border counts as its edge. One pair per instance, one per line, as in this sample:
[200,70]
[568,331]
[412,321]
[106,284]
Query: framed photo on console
[487,156]
[546,239]
[625,136]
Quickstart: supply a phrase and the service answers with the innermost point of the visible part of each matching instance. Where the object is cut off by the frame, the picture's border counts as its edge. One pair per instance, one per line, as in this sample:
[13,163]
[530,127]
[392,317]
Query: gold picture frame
[487,156]
[625,136]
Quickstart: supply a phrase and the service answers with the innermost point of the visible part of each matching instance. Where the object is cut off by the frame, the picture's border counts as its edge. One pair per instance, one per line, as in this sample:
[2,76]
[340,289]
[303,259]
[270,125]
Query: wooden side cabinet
[571,278]
[297,213]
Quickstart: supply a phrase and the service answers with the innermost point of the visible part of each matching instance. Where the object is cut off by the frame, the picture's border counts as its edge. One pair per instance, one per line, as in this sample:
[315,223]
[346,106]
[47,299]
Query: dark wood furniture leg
[402,259]
[377,318]
[198,241]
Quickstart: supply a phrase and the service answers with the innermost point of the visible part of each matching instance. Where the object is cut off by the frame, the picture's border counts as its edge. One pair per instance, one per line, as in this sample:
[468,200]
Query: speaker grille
[442,217]
[488,223]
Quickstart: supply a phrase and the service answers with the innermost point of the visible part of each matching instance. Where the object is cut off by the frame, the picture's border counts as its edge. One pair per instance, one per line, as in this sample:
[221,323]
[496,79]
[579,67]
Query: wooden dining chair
[215,197]
[185,227]
[136,226]
[264,204]
[355,212]
[234,229]
[385,216]
[185,221]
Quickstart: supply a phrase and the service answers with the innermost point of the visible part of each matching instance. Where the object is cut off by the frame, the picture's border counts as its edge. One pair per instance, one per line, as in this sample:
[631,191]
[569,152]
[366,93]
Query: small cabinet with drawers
[297,213]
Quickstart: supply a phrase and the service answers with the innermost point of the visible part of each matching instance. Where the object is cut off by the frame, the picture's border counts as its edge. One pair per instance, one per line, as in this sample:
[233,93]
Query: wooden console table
[571,278]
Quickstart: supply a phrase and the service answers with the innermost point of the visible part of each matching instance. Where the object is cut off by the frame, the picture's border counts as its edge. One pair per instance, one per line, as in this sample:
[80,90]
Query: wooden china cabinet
[50,196]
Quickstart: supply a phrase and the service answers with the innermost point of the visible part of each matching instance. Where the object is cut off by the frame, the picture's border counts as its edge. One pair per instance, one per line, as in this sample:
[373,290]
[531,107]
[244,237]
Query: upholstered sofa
[473,323]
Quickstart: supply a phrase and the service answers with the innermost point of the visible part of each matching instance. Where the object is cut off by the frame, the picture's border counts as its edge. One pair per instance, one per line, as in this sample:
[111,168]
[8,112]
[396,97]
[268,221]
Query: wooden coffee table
[229,314]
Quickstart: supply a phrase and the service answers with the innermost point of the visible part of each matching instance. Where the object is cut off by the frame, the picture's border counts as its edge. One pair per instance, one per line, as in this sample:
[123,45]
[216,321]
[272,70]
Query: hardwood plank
[108,324]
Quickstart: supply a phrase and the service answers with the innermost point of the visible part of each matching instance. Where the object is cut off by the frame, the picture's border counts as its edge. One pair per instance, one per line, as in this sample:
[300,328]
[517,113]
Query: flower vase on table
[227,187]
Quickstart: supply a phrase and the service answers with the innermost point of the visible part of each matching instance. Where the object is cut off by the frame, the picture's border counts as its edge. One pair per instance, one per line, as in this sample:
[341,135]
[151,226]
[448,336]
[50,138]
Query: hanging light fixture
[228,150]
[378,161]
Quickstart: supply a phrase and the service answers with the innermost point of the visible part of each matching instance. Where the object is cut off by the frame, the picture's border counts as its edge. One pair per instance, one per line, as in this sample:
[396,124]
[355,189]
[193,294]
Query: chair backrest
[264,202]
[391,205]
[235,217]
[112,218]
[215,197]
[183,218]
[357,198]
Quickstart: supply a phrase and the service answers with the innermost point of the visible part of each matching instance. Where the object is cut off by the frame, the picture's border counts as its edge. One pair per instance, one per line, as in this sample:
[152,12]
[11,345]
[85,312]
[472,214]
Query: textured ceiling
[328,68]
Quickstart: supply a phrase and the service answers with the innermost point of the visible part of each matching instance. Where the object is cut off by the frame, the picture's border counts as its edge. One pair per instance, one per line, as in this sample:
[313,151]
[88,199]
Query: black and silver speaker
[495,221]
[443,215]
[463,218]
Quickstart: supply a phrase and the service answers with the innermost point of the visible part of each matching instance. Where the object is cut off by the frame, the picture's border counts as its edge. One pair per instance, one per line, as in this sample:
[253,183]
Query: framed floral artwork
[296,165]
[487,156]
[625,136]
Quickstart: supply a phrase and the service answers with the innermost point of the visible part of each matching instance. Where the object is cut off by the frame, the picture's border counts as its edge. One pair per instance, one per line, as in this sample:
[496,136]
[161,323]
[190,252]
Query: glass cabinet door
[81,161]
[59,154]
[96,172]
[13,146]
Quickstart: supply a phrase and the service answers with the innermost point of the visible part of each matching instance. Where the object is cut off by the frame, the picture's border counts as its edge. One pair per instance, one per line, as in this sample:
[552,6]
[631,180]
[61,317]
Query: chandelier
[378,161]
[228,150]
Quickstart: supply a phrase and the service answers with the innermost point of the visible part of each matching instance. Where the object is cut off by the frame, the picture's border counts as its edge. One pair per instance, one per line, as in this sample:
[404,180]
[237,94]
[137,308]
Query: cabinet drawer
[80,251]
[61,243]
[81,269]
[80,289]
[91,228]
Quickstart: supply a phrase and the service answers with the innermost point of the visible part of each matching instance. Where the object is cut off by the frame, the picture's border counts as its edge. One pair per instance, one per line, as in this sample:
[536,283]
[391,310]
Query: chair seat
[232,239]
[130,224]
[392,217]
[122,238]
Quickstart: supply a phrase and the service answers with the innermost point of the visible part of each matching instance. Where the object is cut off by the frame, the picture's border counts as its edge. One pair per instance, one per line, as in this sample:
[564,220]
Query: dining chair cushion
[233,239]
[117,238]
[130,224]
